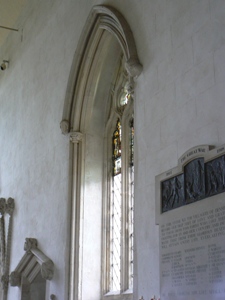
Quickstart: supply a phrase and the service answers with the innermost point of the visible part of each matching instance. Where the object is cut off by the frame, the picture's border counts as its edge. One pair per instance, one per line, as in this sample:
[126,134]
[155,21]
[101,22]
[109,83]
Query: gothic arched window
[105,62]
[120,194]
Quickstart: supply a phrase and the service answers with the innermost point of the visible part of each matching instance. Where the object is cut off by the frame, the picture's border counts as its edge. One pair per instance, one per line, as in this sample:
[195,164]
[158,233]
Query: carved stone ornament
[64,125]
[200,174]
[33,262]
[76,137]
[10,205]
[133,67]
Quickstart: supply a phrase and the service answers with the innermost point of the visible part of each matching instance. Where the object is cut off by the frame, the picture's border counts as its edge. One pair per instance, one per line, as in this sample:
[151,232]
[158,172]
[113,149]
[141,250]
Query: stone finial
[2,206]
[30,243]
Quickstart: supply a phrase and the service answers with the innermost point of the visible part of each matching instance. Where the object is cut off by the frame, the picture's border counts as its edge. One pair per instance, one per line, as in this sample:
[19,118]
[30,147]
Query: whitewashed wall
[181,96]
[180,103]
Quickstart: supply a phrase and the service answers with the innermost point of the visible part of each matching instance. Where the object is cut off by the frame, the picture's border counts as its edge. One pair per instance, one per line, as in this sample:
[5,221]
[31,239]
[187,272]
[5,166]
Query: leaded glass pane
[115,245]
[131,140]
[131,202]
[122,204]
[131,231]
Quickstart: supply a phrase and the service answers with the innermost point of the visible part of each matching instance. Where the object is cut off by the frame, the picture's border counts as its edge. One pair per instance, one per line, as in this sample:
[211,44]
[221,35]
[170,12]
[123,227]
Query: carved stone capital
[65,126]
[10,205]
[15,279]
[47,270]
[76,137]
[2,206]
[30,243]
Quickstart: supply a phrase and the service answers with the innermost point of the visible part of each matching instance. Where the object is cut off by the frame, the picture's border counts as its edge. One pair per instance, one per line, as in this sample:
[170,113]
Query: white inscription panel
[192,245]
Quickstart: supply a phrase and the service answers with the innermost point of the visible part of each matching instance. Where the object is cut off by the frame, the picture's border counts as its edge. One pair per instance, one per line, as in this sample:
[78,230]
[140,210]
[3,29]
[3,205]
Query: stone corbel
[64,125]
[133,67]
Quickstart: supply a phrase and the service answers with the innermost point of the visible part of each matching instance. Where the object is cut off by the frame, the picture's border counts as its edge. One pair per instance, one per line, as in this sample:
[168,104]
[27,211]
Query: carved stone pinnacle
[10,205]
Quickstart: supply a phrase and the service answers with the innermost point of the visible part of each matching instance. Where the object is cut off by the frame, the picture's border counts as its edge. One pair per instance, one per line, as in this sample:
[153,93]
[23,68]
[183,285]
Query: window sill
[127,295]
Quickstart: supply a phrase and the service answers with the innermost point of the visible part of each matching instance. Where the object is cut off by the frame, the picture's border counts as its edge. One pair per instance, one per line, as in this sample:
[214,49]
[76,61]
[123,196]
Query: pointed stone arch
[101,20]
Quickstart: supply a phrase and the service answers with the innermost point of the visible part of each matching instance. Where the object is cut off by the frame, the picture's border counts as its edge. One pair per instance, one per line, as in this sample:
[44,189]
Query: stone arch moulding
[106,35]
[101,18]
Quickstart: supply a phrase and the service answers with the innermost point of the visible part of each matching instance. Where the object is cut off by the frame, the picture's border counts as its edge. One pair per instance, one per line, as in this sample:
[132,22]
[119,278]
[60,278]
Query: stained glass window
[117,149]
[131,139]
[115,238]
[119,207]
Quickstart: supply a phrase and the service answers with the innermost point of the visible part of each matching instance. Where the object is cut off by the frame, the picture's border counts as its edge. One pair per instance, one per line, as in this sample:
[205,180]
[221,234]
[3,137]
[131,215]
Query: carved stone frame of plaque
[33,263]
[190,211]
[200,174]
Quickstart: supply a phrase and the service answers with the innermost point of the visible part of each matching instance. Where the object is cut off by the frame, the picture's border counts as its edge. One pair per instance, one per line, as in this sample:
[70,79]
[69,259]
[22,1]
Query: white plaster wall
[179,104]
[34,163]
